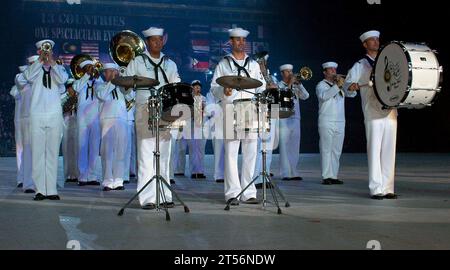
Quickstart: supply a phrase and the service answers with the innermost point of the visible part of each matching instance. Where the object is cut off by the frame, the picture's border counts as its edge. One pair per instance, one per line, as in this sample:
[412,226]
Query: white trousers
[26,163]
[179,158]
[113,148]
[88,149]
[219,158]
[19,150]
[272,141]
[330,145]
[46,134]
[146,145]
[233,183]
[381,135]
[196,151]
[70,147]
[130,154]
[289,147]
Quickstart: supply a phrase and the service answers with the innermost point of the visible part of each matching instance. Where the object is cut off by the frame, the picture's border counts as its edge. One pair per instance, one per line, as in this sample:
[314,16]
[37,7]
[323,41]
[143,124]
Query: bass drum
[175,98]
[406,75]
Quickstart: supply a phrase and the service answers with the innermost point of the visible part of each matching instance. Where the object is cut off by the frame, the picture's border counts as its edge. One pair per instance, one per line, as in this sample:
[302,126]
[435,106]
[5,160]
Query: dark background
[304,33]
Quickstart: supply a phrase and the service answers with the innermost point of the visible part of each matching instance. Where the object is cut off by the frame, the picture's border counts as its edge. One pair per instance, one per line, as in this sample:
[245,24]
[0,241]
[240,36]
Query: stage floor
[320,217]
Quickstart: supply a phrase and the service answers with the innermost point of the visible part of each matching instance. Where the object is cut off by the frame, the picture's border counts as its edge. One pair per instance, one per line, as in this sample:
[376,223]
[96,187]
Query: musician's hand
[89,69]
[71,92]
[227,91]
[353,87]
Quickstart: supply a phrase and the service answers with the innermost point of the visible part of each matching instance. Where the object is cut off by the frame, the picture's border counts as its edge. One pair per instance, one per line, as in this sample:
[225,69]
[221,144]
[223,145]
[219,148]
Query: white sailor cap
[39,43]
[23,68]
[86,62]
[369,34]
[153,31]
[70,81]
[32,59]
[196,82]
[111,66]
[238,32]
[286,67]
[329,65]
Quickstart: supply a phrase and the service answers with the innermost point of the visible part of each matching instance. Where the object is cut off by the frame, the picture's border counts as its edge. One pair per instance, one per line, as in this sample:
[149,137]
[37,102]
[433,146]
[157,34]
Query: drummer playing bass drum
[151,64]
[240,64]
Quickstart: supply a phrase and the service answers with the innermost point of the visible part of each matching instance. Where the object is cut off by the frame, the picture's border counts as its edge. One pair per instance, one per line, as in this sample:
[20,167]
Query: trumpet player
[47,78]
[290,133]
[331,121]
[113,122]
[88,123]
[213,112]
[70,135]
[381,124]
[197,141]
[152,64]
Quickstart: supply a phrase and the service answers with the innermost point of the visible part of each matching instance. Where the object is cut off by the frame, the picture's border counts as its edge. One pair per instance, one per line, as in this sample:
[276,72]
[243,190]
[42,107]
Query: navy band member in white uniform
[24,87]
[47,79]
[213,113]
[197,142]
[70,136]
[237,63]
[153,64]
[113,122]
[88,112]
[290,132]
[15,93]
[381,124]
[331,121]
[130,154]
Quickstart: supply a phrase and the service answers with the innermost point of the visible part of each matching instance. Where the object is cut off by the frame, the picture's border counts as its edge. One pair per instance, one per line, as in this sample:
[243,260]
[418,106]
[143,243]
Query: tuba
[261,59]
[124,47]
[77,71]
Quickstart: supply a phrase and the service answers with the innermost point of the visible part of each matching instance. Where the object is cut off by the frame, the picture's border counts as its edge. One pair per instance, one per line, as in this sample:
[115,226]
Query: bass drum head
[391,75]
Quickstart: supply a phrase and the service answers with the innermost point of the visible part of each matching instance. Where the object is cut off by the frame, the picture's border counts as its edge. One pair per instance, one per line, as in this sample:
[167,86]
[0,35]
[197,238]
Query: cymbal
[238,82]
[134,82]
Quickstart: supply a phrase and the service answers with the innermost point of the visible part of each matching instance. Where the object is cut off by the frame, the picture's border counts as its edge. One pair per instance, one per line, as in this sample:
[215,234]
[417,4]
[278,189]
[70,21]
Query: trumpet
[305,74]
[46,49]
[339,79]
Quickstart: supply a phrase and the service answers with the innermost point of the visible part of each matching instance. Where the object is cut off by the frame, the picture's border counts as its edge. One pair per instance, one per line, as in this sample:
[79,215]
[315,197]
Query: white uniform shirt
[331,101]
[25,95]
[15,93]
[227,68]
[45,101]
[88,107]
[112,103]
[299,92]
[372,108]
[140,66]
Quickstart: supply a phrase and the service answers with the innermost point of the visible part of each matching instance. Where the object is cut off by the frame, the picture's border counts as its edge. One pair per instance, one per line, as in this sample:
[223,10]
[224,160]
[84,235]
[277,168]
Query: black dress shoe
[93,183]
[179,174]
[53,197]
[68,180]
[132,175]
[29,191]
[120,188]
[20,185]
[327,181]
[194,176]
[297,178]
[39,197]
[149,206]
[167,205]
[391,196]
[336,182]
[172,182]
[252,201]
[286,179]
[220,180]
[82,184]
[202,176]
[271,174]
[107,189]
[233,201]
[377,197]
[126,182]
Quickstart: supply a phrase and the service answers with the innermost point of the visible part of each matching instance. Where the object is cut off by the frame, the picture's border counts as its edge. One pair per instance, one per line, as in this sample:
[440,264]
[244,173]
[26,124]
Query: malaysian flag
[200,45]
[90,48]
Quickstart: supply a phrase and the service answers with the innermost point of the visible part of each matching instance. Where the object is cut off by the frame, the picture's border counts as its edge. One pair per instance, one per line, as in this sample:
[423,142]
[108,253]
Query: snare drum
[246,116]
[175,95]
[284,99]
[406,75]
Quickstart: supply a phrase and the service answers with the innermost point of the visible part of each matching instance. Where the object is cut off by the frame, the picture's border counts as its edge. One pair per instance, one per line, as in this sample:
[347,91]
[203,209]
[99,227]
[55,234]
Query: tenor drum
[175,96]
[284,99]
[246,116]
[406,75]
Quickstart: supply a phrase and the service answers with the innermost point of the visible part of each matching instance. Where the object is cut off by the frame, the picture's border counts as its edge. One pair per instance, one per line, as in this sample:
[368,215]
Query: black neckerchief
[371,62]
[114,93]
[92,90]
[46,78]
[240,68]
[156,67]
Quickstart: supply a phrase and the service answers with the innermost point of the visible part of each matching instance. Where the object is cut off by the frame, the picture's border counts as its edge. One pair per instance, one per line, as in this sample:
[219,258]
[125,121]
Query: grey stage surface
[321,217]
